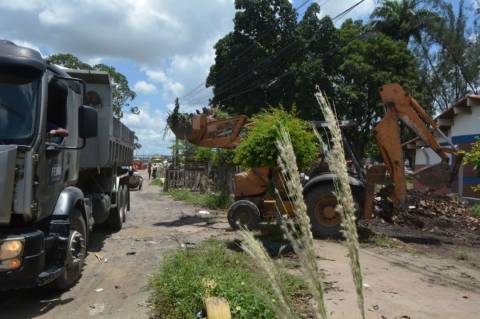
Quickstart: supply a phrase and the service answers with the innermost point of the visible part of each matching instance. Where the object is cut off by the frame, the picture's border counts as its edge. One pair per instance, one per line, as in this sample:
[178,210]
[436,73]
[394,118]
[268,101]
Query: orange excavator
[254,203]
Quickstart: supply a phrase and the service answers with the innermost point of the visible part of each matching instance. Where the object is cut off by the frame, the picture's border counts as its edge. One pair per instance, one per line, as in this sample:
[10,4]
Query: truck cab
[51,191]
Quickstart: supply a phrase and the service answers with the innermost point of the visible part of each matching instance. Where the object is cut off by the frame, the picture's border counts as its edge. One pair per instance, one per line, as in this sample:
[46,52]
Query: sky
[163,47]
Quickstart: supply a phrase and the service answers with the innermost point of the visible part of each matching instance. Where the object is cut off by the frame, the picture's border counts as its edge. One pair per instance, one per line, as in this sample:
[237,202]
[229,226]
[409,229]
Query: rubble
[427,215]
[431,212]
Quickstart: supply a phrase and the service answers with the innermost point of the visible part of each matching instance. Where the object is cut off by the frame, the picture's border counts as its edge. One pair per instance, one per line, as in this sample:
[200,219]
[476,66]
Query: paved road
[119,263]
[398,283]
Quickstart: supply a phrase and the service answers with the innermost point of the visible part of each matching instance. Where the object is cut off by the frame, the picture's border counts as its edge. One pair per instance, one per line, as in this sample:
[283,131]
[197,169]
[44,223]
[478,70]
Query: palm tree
[402,19]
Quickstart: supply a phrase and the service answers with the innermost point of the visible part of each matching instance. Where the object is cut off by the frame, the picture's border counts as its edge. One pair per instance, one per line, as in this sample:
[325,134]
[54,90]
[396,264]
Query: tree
[317,61]
[368,62]
[122,95]
[252,59]
[136,144]
[450,56]
[402,19]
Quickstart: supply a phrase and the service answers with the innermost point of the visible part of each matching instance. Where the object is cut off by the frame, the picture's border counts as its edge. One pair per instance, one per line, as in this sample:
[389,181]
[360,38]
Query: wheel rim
[243,216]
[76,251]
[325,211]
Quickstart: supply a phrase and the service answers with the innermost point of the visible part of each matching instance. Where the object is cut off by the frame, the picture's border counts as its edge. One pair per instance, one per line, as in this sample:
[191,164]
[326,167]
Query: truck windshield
[19,99]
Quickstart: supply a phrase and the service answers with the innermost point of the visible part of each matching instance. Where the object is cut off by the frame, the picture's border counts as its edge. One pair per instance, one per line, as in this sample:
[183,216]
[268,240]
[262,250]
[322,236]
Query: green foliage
[261,30]
[475,210]
[122,95]
[259,149]
[349,64]
[204,154]
[208,200]
[217,156]
[210,269]
[367,64]
[403,19]
[157,182]
[473,157]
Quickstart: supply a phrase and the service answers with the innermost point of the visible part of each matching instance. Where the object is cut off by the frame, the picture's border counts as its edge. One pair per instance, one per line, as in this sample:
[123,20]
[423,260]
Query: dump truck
[255,203]
[62,167]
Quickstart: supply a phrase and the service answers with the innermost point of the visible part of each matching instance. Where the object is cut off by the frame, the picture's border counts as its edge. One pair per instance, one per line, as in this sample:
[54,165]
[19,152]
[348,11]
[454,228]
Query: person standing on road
[149,170]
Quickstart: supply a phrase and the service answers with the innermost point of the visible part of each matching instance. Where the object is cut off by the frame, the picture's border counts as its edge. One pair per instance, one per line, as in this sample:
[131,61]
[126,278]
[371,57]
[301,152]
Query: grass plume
[346,204]
[297,229]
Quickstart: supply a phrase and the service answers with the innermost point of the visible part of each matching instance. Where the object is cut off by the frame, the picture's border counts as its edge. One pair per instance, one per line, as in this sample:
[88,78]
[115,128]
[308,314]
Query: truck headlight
[10,249]
[10,264]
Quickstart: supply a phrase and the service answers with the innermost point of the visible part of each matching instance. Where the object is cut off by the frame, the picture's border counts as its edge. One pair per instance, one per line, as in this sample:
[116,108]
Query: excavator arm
[400,107]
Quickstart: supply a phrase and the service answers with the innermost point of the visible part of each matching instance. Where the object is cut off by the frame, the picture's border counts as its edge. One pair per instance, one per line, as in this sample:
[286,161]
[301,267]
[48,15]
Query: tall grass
[297,229]
[346,205]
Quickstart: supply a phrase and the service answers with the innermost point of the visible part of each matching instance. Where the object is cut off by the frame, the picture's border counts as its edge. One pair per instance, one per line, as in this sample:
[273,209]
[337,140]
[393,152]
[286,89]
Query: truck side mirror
[87,122]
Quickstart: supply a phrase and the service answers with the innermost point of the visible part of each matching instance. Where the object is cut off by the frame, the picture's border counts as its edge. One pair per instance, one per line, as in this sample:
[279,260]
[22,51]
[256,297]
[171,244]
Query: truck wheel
[321,208]
[76,253]
[117,214]
[244,214]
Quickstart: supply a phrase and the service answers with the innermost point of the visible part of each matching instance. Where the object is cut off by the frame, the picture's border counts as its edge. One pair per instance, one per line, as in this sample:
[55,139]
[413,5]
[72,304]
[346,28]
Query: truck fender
[69,198]
[329,177]
[59,227]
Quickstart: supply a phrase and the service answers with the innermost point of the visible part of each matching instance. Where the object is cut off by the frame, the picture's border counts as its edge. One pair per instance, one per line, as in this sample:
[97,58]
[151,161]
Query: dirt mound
[428,215]
[430,211]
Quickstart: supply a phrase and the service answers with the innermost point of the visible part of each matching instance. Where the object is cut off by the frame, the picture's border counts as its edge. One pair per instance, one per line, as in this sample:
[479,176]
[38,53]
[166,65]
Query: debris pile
[430,217]
[445,214]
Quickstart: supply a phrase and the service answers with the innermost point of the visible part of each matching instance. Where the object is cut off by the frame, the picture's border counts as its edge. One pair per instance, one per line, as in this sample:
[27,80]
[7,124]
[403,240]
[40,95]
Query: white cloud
[333,8]
[149,126]
[144,87]
[145,31]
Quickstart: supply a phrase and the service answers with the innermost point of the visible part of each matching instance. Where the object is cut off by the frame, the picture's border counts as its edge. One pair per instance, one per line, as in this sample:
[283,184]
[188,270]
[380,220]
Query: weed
[462,255]
[187,276]
[383,241]
[157,182]
[209,200]
[475,210]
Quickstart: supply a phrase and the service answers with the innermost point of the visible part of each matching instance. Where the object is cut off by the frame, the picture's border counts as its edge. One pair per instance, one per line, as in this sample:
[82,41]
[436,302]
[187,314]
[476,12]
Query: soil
[424,280]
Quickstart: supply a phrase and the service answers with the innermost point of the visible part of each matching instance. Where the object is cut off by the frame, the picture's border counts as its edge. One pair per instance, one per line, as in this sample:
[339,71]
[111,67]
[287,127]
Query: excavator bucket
[206,129]
[434,176]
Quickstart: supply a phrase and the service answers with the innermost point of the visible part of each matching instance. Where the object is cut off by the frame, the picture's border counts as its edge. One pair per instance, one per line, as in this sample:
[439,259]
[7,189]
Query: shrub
[473,157]
[258,147]
[210,200]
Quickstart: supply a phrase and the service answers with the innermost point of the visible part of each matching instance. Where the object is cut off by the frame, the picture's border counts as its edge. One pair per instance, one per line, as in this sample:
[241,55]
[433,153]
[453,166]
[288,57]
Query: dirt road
[114,281]
[398,284]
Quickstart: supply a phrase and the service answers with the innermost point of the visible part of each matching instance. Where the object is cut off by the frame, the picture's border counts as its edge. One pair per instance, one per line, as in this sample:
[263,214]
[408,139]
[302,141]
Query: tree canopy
[122,94]
[273,58]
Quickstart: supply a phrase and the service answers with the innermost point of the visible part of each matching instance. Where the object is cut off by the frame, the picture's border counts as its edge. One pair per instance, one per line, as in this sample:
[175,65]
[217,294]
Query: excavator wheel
[244,214]
[321,208]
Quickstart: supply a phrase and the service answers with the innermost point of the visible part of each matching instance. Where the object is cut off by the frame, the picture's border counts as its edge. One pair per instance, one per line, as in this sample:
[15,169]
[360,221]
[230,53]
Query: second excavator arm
[400,106]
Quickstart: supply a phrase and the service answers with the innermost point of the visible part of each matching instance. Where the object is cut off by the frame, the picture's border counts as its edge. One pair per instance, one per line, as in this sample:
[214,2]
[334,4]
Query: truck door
[52,164]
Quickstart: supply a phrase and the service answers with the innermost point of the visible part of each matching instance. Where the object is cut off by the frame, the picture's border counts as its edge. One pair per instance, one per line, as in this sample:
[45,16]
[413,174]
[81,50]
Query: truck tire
[321,203]
[244,214]
[76,253]
[117,214]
